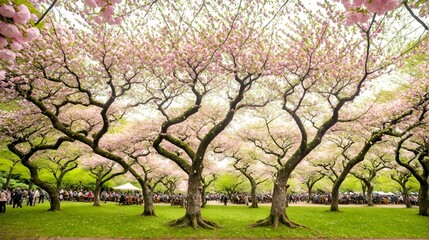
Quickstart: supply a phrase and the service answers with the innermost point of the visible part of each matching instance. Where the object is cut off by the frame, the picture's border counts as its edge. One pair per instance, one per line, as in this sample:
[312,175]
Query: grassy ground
[113,221]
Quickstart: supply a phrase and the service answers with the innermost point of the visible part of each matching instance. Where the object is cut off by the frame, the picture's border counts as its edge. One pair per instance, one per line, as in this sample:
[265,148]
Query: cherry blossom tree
[245,160]
[209,55]
[417,162]
[309,175]
[316,91]
[31,139]
[402,177]
[59,165]
[398,123]
[80,91]
[102,170]
[367,171]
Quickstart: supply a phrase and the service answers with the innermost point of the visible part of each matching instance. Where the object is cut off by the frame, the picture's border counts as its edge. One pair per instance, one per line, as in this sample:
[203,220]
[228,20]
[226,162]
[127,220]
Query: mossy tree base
[194,221]
[276,220]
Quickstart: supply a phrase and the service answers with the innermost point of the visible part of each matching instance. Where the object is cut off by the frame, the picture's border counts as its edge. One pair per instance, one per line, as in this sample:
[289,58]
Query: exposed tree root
[274,221]
[194,221]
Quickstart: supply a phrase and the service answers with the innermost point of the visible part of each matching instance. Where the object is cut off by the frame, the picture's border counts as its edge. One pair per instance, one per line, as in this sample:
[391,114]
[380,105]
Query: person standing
[17,200]
[41,196]
[3,200]
[36,196]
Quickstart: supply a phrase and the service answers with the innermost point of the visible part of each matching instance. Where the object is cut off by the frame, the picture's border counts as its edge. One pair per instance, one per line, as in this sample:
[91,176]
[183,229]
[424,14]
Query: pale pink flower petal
[15,46]
[109,10]
[3,42]
[100,3]
[10,30]
[23,15]
[32,34]
[7,55]
[90,3]
[98,19]
[2,75]
[7,11]
[118,20]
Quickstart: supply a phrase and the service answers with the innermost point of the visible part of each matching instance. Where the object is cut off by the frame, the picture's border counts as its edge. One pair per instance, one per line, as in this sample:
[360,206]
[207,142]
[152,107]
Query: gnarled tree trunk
[424,200]
[254,197]
[278,205]
[335,193]
[97,192]
[148,200]
[193,209]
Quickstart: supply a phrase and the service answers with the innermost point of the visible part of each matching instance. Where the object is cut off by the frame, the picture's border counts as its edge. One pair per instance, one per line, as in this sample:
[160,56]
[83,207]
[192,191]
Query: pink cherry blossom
[7,11]
[32,34]
[356,17]
[2,75]
[98,20]
[10,30]
[15,46]
[118,20]
[100,3]
[381,6]
[109,10]
[7,55]
[3,43]
[90,3]
[23,15]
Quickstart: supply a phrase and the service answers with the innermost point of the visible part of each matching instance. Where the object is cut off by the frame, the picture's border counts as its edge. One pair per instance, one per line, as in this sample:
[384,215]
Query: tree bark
[193,209]
[278,206]
[369,195]
[203,197]
[97,192]
[148,200]
[254,197]
[335,193]
[424,200]
[55,204]
[310,194]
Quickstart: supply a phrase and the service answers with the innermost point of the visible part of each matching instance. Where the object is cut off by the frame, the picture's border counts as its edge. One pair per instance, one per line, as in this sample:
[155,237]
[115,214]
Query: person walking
[3,200]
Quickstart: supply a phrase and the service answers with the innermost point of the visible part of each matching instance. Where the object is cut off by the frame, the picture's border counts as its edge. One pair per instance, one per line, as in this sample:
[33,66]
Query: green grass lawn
[113,221]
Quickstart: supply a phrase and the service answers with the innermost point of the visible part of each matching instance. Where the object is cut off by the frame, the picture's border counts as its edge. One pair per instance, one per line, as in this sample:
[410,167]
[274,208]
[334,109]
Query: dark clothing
[17,199]
[2,206]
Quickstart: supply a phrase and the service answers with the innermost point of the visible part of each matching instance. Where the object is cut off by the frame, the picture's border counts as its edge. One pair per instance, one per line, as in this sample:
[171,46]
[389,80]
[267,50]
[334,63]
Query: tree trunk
[9,176]
[55,204]
[363,185]
[148,200]
[203,197]
[97,192]
[278,206]
[369,195]
[310,194]
[193,209]
[254,197]
[424,200]
[335,193]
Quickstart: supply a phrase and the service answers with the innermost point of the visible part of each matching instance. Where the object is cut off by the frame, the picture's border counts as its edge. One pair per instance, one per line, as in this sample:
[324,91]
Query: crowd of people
[17,197]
